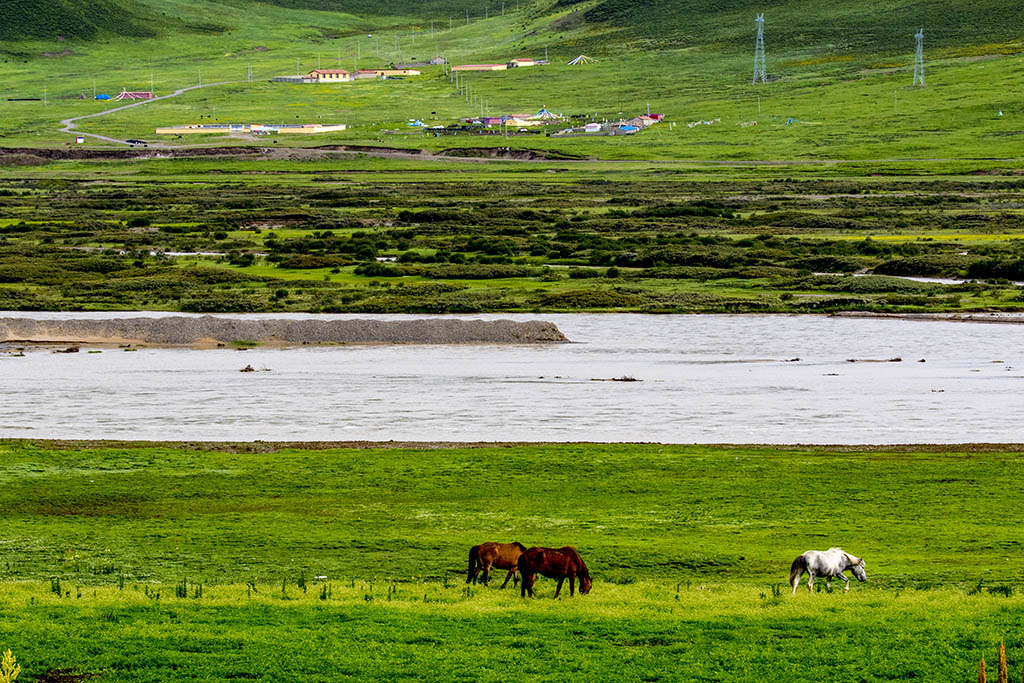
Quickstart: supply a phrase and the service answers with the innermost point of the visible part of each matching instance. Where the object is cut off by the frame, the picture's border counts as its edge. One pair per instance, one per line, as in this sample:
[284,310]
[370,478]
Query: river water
[705,379]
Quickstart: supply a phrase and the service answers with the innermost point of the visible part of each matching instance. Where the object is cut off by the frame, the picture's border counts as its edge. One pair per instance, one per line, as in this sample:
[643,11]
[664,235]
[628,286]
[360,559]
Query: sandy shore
[209,331]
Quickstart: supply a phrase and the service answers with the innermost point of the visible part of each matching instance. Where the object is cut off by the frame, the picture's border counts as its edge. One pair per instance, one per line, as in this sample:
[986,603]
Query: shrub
[379,269]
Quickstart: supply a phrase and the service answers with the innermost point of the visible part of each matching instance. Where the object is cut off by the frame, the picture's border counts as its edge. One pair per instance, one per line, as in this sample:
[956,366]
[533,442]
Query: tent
[582,59]
[545,115]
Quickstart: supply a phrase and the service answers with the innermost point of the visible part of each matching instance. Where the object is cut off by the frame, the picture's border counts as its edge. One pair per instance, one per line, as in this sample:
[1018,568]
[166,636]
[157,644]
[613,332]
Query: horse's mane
[519,545]
[571,552]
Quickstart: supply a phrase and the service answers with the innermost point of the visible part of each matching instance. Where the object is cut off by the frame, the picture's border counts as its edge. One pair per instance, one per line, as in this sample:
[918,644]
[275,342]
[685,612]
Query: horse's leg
[828,582]
[487,573]
[559,589]
[508,576]
[572,582]
[846,588]
[810,581]
[796,582]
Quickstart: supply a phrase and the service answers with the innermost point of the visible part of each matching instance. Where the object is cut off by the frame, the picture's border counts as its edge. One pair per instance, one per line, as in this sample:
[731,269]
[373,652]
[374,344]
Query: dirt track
[209,330]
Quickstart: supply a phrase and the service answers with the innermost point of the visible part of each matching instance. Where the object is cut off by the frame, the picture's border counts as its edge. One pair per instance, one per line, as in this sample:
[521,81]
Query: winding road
[71,127]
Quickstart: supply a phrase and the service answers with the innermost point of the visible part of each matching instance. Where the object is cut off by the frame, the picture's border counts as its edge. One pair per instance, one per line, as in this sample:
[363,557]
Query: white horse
[828,563]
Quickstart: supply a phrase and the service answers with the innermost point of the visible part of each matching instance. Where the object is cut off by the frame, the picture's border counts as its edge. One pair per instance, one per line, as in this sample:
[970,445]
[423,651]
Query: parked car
[133,142]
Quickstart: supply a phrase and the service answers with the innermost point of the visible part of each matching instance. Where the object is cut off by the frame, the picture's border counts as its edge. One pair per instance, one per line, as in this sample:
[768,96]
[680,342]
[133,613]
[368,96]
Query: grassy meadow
[339,231]
[180,562]
[826,99]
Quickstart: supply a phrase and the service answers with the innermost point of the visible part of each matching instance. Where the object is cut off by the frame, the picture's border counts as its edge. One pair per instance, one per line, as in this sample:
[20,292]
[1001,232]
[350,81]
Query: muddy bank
[24,156]
[30,156]
[1004,318]
[209,330]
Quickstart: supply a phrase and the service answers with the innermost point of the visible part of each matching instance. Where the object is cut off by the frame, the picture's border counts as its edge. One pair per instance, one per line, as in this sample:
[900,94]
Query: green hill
[70,19]
[857,26]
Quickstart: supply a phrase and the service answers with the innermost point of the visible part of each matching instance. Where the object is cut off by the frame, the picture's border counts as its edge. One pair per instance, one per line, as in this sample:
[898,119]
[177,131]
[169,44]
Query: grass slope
[71,20]
[689,547]
[828,98]
[853,27]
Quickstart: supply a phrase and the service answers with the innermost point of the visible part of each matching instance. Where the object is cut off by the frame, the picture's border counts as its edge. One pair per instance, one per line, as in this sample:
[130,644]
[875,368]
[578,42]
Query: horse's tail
[797,569]
[474,560]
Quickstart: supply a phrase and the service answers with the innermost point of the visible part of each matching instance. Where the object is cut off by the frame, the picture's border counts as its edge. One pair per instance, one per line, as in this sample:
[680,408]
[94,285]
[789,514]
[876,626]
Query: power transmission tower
[760,71]
[919,59]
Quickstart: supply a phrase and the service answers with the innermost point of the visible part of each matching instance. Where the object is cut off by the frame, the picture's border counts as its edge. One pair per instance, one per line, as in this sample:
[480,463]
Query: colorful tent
[545,115]
[582,59]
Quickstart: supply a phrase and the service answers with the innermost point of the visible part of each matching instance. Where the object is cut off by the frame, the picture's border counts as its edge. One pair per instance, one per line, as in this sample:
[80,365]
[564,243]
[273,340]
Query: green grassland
[183,563]
[847,99]
[251,233]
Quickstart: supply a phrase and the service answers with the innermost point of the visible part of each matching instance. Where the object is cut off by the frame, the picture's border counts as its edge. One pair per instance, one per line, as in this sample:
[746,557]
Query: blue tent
[103,97]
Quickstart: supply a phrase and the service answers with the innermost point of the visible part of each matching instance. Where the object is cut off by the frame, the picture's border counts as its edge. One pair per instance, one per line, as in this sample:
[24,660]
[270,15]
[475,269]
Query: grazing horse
[500,555]
[828,563]
[554,564]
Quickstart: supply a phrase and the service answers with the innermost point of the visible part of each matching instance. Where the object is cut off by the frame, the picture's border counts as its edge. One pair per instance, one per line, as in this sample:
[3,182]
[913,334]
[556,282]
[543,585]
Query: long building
[384,73]
[254,128]
[480,67]
[329,75]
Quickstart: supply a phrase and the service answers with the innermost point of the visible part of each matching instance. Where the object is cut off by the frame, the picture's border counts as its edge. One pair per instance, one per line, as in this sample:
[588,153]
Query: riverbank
[206,331]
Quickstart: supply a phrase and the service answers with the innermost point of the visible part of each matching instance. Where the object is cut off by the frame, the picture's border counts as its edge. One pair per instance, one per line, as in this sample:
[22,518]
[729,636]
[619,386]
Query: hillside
[70,19]
[857,26]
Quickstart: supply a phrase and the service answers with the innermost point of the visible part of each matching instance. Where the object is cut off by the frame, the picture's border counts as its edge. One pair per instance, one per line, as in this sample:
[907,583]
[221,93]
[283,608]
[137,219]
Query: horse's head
[585,583]
[858,570]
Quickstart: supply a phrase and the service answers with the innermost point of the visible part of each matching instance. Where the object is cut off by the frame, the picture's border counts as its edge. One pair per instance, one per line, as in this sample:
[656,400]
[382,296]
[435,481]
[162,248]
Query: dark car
[137,142]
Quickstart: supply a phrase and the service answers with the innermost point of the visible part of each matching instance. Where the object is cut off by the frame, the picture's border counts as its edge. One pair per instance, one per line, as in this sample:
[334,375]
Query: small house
[521,61]
[480,67]
[329,76]
[362,74]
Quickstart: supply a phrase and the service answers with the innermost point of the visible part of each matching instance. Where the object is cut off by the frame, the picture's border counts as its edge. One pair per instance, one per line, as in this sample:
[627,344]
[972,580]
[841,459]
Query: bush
[480,271]
[379,269]
[588,298]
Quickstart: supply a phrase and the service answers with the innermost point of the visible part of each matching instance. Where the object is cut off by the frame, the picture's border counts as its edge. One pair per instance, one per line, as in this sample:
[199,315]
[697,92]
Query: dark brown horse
[554,564]
[500,555]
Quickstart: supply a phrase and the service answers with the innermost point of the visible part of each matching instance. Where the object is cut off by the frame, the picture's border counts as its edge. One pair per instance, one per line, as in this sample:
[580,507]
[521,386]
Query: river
[704,379]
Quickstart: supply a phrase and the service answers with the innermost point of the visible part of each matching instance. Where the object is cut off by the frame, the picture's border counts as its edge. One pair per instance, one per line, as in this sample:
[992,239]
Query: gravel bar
[209,330]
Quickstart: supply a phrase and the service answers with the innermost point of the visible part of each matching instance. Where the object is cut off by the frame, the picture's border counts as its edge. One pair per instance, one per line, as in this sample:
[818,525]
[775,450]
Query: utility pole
[760,71]
[318,60]
[250,73]
[94,88]
[467,16]
[200,75]
[919,59]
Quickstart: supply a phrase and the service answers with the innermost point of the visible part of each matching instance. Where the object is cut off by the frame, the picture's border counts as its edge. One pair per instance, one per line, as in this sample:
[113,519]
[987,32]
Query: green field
[840,84]
[245,233]
[183,563]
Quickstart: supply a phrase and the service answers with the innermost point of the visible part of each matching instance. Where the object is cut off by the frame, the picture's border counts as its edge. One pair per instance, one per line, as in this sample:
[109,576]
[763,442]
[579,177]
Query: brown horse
[554,564]
[500,555]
